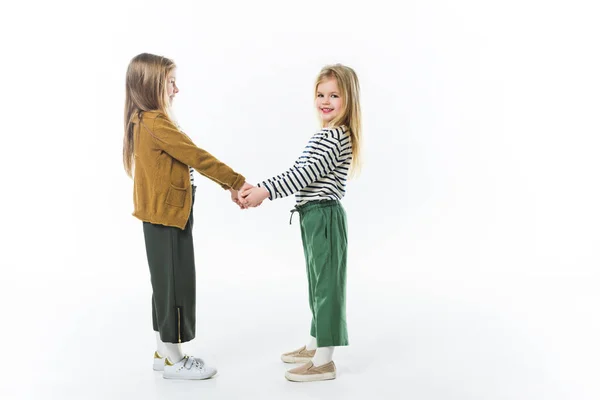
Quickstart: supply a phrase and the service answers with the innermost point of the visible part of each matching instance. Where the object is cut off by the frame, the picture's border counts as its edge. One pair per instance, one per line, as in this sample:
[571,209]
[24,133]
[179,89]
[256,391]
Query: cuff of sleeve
[238,182]
[264,185]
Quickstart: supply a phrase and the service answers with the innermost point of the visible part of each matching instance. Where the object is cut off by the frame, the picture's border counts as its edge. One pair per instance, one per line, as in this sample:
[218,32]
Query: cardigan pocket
[176,196]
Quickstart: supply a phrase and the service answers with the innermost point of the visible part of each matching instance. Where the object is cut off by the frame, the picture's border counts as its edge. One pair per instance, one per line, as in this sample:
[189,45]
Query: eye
[319,95]
[335,96]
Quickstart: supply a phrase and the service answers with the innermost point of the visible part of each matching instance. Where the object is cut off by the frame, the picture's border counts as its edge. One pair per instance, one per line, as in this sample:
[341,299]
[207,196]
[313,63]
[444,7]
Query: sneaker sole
[191,378]
[295,360]
[309,378]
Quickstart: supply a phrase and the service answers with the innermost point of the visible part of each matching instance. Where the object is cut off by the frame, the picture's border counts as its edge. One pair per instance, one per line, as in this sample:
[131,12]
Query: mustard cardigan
[162,192]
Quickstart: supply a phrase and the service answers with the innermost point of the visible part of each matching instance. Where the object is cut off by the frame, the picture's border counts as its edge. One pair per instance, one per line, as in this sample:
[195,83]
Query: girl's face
[172,88]
[328,101]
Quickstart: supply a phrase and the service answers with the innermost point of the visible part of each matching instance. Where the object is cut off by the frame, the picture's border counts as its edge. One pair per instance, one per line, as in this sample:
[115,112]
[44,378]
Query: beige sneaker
[298,356]
[310,373]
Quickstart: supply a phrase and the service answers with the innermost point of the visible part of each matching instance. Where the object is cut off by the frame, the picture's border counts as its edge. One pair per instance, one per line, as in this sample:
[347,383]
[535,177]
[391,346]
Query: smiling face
[172,88]
[328,101]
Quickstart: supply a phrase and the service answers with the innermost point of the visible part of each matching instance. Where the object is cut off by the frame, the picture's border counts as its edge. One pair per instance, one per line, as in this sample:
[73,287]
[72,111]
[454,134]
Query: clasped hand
[249,196]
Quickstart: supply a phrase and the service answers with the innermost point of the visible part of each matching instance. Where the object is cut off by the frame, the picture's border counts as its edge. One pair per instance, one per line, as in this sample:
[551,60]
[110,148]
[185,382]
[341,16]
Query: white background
[474,234]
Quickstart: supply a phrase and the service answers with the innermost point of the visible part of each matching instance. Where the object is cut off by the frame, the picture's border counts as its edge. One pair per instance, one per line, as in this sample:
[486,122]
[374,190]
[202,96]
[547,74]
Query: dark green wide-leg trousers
[170,252]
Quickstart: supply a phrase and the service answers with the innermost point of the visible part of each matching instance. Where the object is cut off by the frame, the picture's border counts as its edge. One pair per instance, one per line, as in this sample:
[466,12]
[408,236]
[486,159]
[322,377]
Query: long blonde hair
[145,90]
[350,116]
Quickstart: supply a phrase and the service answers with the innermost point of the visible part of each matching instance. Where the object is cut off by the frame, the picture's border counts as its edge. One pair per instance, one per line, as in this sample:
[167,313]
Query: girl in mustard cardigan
[161,159]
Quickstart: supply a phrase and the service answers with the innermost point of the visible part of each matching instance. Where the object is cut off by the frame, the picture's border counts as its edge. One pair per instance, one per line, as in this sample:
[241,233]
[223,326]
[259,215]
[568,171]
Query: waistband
[301,209]
[317,204]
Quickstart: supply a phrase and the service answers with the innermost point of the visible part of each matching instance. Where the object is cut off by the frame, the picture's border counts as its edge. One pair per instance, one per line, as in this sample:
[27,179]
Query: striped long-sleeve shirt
[321,171]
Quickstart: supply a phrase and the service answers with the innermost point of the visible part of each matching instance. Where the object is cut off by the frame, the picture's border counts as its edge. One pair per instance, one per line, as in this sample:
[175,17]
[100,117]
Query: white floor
[508,338]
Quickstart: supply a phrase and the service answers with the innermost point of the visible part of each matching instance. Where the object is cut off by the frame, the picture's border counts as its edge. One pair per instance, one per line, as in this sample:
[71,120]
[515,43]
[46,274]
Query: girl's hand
[240,200]
[235,198]
[254,196]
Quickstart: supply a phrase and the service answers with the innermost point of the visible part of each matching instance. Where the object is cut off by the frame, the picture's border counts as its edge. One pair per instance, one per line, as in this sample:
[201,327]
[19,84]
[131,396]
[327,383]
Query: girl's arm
[179,146]
[322,154]
[326,151]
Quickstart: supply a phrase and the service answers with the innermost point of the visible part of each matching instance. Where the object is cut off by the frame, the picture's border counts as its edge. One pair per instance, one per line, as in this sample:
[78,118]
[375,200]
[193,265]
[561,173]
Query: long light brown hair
[350,116]
[145,90]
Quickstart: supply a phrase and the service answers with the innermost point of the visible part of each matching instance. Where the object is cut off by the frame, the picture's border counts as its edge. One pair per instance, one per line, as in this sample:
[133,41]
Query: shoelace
[193,363]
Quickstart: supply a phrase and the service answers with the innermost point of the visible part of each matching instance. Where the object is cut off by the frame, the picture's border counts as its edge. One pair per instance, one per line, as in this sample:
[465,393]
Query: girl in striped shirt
[318,180]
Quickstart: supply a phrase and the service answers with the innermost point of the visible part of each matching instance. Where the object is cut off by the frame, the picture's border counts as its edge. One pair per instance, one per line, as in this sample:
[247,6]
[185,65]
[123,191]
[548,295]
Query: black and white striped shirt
[191,175]
[320,173]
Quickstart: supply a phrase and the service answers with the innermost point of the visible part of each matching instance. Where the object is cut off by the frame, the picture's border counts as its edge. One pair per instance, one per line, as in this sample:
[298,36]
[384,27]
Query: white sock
[170,350]
[160,346]
[312,344]
[323,356]
[173,352]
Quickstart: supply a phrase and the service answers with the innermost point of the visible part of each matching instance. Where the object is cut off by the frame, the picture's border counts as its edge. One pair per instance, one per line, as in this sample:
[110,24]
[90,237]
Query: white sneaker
[159,362]
[188,368]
